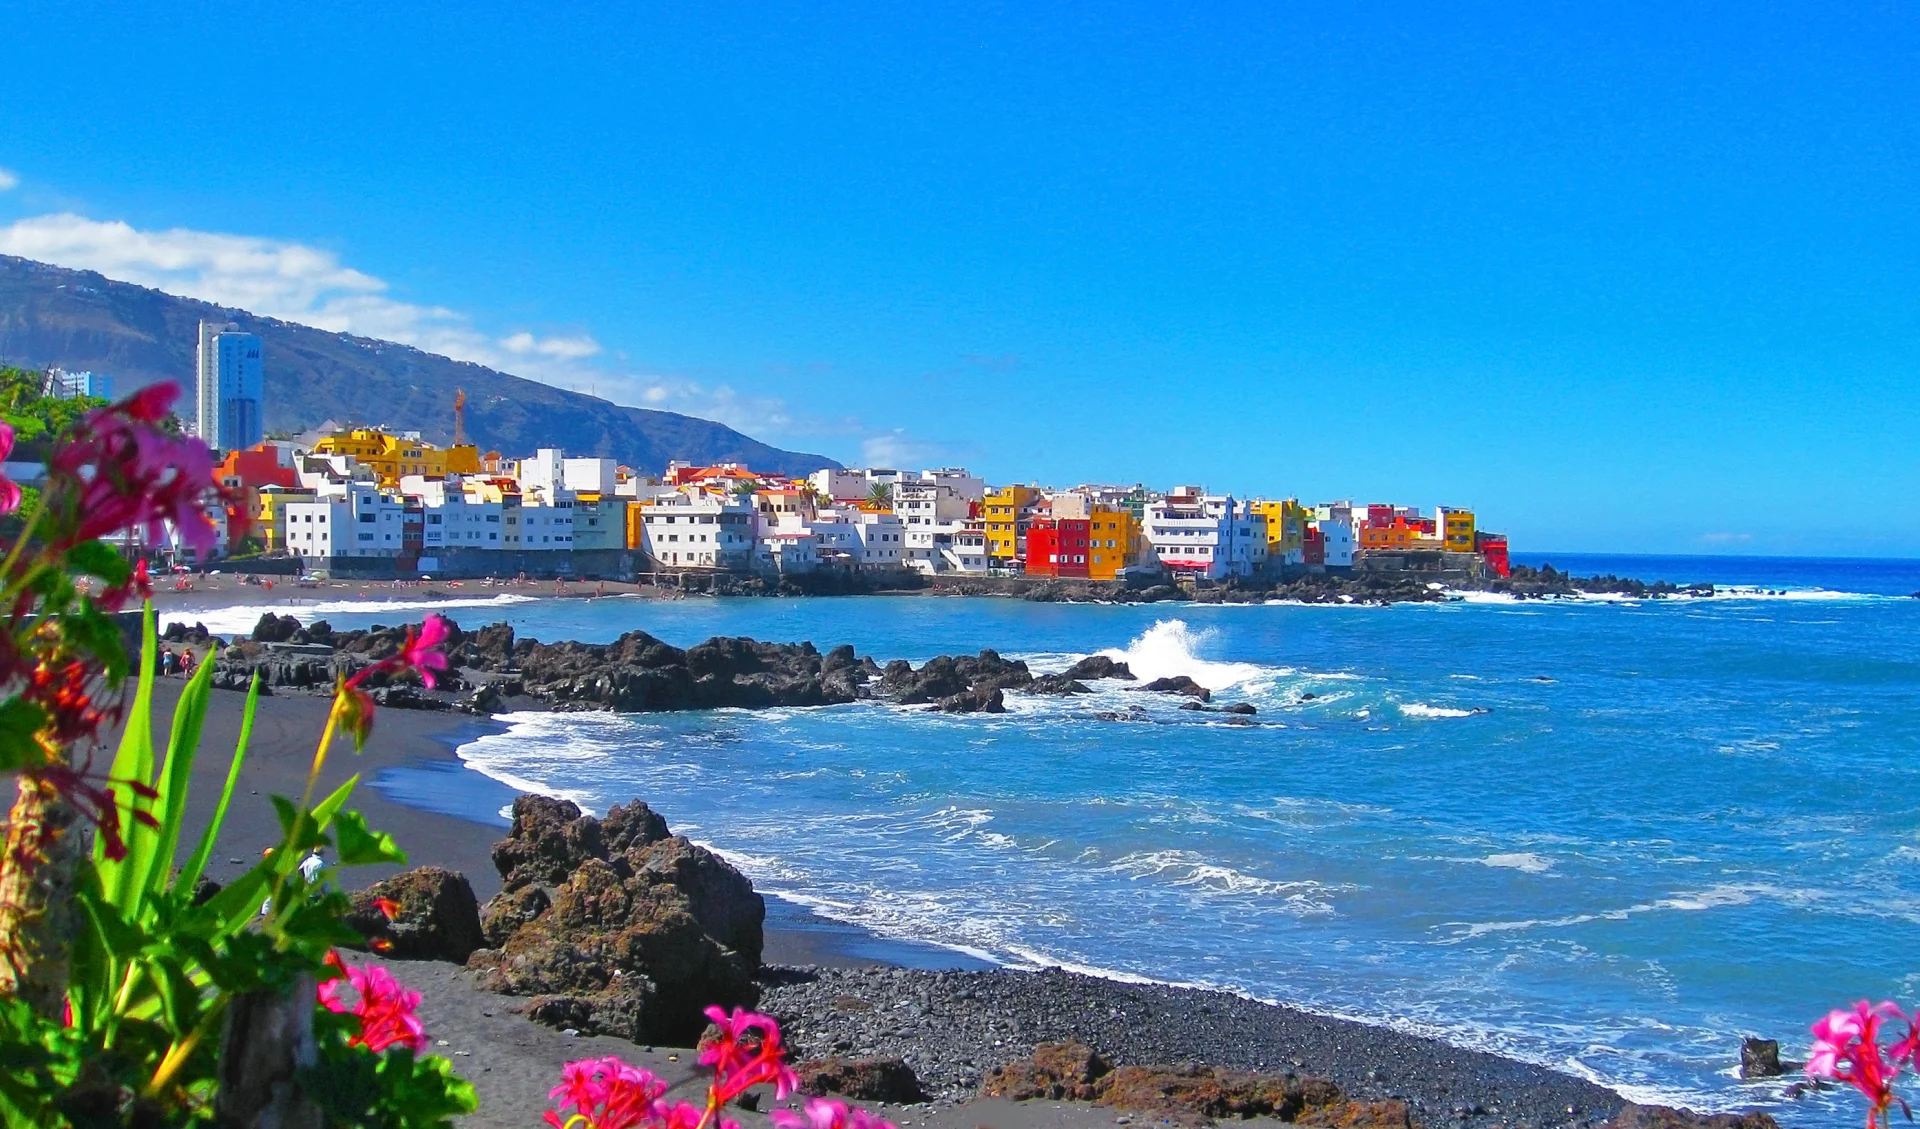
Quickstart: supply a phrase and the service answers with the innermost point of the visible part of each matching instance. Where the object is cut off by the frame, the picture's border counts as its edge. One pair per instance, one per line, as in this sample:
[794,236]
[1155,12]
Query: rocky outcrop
[438,917]
[1073,1072]
[638,673]
[1760,1058]
[615,925]
[1178,684]
[1666,1117]
[862,1079]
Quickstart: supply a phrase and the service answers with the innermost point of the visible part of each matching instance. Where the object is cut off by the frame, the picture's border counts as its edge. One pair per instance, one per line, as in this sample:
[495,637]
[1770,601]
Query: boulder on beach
[1074,1072]
[862,1079]
[438,916]
[1666,1117]
[615,925]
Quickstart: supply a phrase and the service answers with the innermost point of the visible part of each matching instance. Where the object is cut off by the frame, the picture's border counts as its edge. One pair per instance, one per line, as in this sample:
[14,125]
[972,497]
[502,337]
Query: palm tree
[880,497]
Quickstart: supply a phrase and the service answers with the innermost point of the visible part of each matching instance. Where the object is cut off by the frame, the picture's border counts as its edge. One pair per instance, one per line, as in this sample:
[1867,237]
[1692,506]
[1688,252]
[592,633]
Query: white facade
[1338,539]
[1210,536]
[840,485]
[454,519]
[542,521]
[950,546]
[930,502]
[882,539]
[550,467]
[708,531]
[359,521]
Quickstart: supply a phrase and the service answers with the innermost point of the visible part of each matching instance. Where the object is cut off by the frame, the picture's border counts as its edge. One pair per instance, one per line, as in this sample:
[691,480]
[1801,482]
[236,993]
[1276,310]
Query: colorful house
[1007,512]
[1113,541]
[392,457]
[1455,529]
[1286,530]
[1058,547]
[1493,549]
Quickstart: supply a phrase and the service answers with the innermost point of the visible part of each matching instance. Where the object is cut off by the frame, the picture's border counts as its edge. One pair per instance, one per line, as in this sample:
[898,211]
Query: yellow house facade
[1006,512]
[391,457]
[1113,537]
[1455,529]
[1286,529]
[270,522]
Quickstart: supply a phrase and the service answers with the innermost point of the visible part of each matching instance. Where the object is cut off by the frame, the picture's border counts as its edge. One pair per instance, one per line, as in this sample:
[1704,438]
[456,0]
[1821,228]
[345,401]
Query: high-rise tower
[228,408]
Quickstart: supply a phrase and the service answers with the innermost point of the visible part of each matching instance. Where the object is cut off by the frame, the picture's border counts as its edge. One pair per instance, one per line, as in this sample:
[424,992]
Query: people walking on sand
[169,662]
[186,661]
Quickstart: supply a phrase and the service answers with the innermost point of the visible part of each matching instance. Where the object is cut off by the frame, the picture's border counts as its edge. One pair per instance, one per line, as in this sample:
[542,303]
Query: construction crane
[459,417]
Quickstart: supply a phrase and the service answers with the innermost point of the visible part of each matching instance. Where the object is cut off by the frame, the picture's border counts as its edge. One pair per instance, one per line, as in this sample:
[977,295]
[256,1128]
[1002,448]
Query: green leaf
[362,847]
[189,715]
[95,632]
[96,558]
[234,907]
[19,721]
[133,761]
[197,864]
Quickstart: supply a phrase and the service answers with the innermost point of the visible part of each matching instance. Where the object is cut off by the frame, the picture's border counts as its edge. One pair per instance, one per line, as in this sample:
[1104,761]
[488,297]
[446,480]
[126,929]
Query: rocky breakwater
[615,925]
[490,669]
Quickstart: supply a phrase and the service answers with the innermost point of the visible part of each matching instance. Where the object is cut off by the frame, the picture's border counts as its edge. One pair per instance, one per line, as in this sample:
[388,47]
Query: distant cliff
[80,320]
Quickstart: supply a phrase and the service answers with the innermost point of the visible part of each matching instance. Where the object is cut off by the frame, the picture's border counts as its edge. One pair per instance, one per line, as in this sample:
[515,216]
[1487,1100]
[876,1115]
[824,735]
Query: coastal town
[357,500]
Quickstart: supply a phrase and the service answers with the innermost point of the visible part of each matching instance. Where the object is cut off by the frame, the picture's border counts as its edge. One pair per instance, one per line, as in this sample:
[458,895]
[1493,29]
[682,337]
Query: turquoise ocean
[1610,836]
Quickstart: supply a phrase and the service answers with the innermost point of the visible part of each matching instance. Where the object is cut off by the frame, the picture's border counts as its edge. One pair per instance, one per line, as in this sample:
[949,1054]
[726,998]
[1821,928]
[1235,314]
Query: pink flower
[9,489]
[421,652]
[385,1007]
[118,470]
[824,1113]
[1846,1047]
[606,1093]
[746,1052]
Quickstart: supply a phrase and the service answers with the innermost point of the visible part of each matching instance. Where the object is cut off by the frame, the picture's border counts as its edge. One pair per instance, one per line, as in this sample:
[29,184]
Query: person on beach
[186,661]
[169,662]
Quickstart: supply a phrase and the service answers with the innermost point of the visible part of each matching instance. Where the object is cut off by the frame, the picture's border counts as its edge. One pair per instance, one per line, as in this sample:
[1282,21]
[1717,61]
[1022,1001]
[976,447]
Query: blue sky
[1630,278]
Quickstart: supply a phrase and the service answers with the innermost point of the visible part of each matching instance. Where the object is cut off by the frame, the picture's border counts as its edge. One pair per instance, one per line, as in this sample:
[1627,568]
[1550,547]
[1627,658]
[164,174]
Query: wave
[1518,860]
[1170,649]
[241,619]
[1421,709]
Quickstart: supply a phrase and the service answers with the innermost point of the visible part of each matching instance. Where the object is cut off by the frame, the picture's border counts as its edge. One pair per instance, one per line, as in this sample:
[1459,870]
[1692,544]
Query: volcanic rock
[615,925]
[1760,1058]
[862,1079]
[438,919]
[1666,1117]
[1178,684]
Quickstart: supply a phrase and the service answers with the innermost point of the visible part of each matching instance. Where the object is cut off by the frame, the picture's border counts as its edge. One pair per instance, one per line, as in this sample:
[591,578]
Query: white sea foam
[1170,648]
[240,620]
[1423,710]
[1519,860]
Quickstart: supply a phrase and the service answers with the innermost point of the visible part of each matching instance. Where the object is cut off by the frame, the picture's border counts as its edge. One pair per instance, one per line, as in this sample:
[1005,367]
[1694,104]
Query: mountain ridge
[80,319]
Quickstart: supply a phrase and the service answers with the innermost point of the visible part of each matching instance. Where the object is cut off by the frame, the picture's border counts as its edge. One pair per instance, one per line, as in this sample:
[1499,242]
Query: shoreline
[973,1016]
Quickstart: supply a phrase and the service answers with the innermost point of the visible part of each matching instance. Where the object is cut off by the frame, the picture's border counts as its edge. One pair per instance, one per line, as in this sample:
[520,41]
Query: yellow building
[1006,512]
[1286,529]
[1113,539]
[391,457]
[1455,530]
[270,521]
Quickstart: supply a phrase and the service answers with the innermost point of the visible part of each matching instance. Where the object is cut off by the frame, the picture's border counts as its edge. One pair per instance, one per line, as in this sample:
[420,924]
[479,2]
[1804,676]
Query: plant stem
[26,533]
[37,874]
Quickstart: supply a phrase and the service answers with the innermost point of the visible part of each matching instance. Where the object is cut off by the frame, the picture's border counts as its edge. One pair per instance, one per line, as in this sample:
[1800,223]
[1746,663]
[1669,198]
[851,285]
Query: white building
[1337,538]
[550,467]
[1208,536]
[452,518]
[356,521]
[228,398]
[698,531]
[927,502]
[541,521]
[63,385]
[840,485]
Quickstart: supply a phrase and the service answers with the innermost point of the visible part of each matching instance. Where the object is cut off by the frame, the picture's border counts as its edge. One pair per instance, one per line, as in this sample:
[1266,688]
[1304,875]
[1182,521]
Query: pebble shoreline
[953,1027]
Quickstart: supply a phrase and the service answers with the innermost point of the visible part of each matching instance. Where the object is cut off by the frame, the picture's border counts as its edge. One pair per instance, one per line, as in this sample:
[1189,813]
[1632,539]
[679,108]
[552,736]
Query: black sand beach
[841,990]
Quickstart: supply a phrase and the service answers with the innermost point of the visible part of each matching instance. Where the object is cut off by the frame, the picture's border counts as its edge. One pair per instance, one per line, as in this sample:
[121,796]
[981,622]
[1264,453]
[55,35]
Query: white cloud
[9,180]
[290,281]
[310,285]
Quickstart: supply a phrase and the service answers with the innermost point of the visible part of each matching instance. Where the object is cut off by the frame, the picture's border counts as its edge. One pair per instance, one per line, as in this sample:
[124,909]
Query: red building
[1493,550]
[243,473]
[1057,547]
[1313,547]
